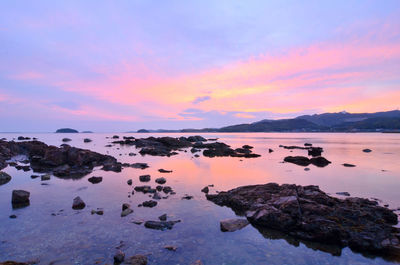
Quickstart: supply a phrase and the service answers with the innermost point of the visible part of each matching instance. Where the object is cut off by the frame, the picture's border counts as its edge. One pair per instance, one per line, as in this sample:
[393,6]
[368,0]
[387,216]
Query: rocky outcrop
[307,213]
[64,162]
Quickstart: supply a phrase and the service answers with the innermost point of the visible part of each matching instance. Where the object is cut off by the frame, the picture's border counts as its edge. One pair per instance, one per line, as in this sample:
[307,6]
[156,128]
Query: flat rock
[126,212]
[309,214]
[95,180]
[348,165]
[367,150]
[160,225]
[343,193]
[164,171]
[231,225]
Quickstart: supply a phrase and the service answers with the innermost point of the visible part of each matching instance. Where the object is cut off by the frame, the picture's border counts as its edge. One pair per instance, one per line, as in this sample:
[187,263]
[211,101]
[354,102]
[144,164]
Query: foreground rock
[305,161]
[20,198]
[4,178]
[231,225]
[65,161]
[136,260]
[95,180]
[307,213]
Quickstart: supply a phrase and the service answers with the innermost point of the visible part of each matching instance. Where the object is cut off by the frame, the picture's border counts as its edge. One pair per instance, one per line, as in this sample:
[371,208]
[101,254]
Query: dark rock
[20,198]
[131,154]
[34,176]
[159,188]
[196,138]
[66,130]
[298,160]
[87,140]
[163,217]
[129,182]
[66,140]
[98,212]
[125,206]
[307,144]
[119,257]
[161,180]
[367,150]
[194,150]
[160,225]
[115,137]
[140,165]
[348,165]
[144,178]
[205,190]
[78,203]
[22,138]
[320,161]
[246,146]
[24,168]
[95,180]
[270,150]
[13,216]
[164,171]
[167,189]
[144,189]
[4,178]
[149,204]
[315,151]
[309,214]
[231,225]
[137,260]
[156,196]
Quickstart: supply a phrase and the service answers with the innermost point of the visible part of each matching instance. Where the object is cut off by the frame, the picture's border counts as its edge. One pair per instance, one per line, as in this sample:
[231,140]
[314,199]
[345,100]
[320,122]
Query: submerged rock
[140,165]
[307,213]
[78,203]
[160,225]
[20,198]
[4,178]
[231,225]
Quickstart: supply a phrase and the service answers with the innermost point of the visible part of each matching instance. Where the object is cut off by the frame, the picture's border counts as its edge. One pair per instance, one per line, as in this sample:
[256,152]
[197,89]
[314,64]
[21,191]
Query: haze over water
[77,237]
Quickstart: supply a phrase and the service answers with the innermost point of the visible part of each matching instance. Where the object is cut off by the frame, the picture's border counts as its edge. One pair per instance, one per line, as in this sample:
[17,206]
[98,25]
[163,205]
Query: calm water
[77,237]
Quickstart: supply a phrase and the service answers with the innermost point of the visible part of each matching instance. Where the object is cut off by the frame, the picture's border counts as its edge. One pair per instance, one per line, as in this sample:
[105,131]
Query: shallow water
[77,237]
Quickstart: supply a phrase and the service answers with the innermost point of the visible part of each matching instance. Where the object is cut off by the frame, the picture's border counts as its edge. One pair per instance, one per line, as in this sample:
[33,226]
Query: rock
[149,204]
[231,225]
[34,176]
[348,165]
[205,189]
[164,171]
[13,216]
[163,217]
[167,189]
[187,197]
[246,146]
[129,182]
[137,260]
[197,262]
[160,225]
[270,150]
[144,178]
[115,137]
[66,140]
[20,198]
[159,188]
[45,177]
[305,161]
[161,180]
[140,165]
[308,214]
[87,140]
[98,212]
[95,180]
[24,168]
[144,189]
[171,248]
[78,203]
[125,206]
[4,178]
[306,169]
[156,196]
[315,151]
[320,161]
[66,130]
[119,257]
[344,193]
[126,212]
[307,144]
[367,150]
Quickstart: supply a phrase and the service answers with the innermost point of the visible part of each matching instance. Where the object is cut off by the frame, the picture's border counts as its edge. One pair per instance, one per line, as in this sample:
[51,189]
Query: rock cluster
[305,161]
[307,213]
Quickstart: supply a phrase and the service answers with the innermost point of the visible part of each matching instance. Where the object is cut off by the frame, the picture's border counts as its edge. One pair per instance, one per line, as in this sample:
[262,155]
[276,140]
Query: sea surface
[50,231]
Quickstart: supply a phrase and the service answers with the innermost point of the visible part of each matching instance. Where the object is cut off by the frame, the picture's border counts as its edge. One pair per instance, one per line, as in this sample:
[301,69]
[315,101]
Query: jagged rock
[163,217]
[205,189]
[78,203]
[161,180]
[160,225]
[125,206]
[144,178]
[307,213]
[95,180]
[231,225]
[4,178]
[20,198]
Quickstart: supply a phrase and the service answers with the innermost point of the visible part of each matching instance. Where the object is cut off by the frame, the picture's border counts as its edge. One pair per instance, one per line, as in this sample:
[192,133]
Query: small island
[66,130]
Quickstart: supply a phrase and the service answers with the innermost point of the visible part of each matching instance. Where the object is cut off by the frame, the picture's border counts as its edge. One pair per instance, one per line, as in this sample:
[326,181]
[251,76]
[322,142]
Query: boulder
[4,178]
[95,180]
[161,180]
[20,198]
[126,212]
[119,257]
[144,178]
[205,189]
[137,260]
[231,225]
[78,203]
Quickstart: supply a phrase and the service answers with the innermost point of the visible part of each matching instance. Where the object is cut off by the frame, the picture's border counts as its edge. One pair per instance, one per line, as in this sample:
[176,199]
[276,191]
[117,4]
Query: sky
[125,65]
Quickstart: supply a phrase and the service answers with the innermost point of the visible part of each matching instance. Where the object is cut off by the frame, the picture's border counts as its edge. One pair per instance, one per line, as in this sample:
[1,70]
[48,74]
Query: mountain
[274,126]
[332,119]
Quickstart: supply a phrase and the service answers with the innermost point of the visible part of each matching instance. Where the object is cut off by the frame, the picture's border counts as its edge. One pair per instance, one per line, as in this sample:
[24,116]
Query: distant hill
[327,122]
[66,130]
